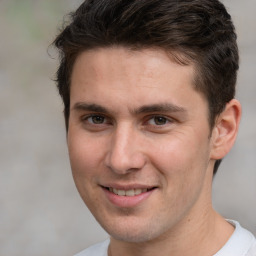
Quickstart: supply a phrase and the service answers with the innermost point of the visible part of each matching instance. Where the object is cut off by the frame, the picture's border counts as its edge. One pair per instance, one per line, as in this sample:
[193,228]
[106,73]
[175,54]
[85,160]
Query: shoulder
[241,243]
[252,250]
[99,249]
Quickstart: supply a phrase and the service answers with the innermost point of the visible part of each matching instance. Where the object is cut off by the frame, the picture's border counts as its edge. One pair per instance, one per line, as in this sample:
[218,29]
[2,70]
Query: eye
[96,119]
[158,120]
[96,122]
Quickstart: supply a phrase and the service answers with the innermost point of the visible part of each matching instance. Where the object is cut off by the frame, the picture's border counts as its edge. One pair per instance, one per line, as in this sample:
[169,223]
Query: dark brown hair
[193,31]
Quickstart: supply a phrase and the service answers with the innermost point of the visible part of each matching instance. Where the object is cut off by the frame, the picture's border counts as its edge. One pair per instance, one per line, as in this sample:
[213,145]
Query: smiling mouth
[130,192]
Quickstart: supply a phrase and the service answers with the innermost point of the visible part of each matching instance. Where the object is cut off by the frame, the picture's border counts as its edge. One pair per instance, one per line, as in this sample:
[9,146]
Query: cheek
[173,153]
[182,159]
[85,160]
[84,155]
[183,168]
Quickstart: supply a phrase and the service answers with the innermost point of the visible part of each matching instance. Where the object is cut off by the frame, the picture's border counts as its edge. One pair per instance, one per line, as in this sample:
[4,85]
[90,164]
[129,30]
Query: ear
[225,130]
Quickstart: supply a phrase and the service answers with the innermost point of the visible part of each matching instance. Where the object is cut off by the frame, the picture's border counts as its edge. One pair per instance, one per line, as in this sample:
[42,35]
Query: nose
[125,153]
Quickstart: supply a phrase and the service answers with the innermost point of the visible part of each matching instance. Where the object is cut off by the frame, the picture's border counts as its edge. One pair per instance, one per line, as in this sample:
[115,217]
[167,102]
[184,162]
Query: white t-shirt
[241,243]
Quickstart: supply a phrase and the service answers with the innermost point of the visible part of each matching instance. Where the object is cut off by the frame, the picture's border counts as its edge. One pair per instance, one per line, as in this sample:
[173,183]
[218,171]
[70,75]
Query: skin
[137,121]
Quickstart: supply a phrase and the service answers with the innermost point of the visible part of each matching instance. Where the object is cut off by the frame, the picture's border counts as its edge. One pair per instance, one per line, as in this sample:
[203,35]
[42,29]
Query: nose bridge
[125,153]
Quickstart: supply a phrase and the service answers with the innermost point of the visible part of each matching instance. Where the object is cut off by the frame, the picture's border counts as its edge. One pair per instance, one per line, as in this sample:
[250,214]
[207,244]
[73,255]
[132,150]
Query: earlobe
[226,129]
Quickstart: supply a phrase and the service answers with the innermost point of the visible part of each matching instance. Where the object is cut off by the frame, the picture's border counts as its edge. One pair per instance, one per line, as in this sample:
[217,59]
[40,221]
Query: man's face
[139,142]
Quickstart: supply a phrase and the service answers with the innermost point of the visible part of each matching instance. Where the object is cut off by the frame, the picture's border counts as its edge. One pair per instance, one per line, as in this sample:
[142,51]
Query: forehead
[142,63]
[120,75]
[151,53]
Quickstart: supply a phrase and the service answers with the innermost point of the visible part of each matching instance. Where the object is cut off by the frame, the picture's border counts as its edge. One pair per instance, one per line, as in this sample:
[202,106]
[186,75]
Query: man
[148,89]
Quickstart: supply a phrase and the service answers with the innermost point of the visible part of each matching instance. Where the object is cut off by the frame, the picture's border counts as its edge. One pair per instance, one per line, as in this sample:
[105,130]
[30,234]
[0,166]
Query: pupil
[98,119]
[160,120]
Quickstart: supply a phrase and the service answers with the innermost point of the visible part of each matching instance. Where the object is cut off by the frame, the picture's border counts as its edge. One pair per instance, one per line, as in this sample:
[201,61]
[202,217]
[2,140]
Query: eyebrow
[162,107]
[89,107]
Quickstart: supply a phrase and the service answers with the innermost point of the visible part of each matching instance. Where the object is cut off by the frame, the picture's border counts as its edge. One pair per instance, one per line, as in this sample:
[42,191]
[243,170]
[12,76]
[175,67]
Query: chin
[131,237]
[133,233]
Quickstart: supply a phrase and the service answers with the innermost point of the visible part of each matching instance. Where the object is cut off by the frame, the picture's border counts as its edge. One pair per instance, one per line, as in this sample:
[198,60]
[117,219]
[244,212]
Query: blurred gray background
[41,212]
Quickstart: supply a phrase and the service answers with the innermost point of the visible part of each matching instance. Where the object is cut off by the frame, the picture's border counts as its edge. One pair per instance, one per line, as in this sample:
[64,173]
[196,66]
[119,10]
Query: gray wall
[41,212]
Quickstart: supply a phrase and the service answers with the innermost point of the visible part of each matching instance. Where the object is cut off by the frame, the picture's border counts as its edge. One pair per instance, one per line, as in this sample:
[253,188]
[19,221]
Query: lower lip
[127,201]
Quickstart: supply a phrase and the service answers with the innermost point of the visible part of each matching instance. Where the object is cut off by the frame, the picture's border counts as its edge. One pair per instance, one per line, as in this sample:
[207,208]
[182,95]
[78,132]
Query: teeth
[138,191]
[131,192]
[121,192]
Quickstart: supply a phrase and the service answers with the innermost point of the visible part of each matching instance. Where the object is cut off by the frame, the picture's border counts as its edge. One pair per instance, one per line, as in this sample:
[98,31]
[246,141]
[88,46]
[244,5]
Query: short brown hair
[197,31]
